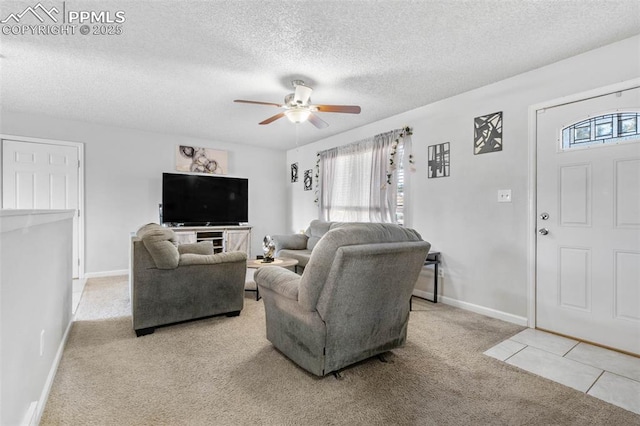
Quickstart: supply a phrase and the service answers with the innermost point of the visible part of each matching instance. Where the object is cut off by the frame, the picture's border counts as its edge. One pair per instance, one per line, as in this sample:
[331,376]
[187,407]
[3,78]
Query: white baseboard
[30,416]
[44,396]
[115,273]
[489,312]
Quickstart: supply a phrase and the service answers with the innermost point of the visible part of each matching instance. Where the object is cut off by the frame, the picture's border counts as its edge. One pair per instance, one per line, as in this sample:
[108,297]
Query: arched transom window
[604,129]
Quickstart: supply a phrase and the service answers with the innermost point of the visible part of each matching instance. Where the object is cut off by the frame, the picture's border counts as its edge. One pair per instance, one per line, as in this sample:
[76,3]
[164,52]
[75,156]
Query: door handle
[543,231]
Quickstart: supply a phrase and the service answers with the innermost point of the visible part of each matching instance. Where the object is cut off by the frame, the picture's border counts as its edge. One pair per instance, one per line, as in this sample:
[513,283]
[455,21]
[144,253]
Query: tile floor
[608,375]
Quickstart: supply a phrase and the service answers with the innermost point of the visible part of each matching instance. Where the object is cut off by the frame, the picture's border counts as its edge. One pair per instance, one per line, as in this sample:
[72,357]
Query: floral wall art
[201,160]
[294,172]
[487,133]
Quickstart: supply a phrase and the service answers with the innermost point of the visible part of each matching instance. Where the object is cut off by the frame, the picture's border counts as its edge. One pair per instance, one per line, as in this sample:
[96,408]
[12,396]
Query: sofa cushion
[153,231]
[315,231]
[302,256]
[203,247]
[187,259]
[160,243]
[291,242]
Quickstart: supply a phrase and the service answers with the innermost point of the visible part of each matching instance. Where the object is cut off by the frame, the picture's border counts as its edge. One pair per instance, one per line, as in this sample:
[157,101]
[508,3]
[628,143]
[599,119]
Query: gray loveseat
[352,300]
[299,246]
[170,283]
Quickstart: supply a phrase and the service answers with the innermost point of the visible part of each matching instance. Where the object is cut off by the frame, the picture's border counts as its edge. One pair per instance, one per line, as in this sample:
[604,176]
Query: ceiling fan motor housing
[302,93]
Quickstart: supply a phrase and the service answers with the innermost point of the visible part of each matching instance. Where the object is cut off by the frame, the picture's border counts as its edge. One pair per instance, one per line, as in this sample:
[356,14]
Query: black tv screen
[204,200]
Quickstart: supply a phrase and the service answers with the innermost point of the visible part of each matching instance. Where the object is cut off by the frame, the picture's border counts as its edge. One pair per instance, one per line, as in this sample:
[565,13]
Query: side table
[250,284]
[433,258]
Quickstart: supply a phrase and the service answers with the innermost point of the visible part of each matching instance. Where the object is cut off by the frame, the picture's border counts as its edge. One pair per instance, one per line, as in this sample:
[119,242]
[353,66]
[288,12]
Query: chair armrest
[212,259]
[291,242]
[203,247]
[279,280]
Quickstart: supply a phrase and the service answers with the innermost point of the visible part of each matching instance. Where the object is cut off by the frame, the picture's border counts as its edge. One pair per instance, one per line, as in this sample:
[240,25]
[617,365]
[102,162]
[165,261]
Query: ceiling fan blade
[257,103]
[272,119]
[302,94]
[350,109]
[317,121]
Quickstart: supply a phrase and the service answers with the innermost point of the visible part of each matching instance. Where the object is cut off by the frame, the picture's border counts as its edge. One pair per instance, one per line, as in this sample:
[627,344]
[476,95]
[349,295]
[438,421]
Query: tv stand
[223,238]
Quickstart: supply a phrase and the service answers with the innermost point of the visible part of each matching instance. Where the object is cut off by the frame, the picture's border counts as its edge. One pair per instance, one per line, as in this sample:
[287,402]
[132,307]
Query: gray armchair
[352,300]
[170,283]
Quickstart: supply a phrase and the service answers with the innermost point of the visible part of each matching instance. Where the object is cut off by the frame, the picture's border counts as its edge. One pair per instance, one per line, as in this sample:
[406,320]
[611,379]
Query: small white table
[252,264]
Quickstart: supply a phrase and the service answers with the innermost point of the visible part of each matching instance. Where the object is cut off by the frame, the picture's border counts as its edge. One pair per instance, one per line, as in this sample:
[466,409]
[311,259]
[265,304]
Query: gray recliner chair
[171,283]
[352,300]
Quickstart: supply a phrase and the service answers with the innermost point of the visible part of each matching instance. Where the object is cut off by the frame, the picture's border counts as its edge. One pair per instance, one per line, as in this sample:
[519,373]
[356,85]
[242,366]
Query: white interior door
[588,208]
[42,176]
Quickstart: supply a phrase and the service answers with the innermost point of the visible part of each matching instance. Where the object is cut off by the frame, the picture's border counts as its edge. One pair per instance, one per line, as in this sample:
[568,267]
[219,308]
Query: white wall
[123,170]
[483,243]
[35,296]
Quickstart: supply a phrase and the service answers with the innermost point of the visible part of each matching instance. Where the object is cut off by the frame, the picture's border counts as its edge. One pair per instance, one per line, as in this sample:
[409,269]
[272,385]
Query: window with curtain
[354,185]
[399,184]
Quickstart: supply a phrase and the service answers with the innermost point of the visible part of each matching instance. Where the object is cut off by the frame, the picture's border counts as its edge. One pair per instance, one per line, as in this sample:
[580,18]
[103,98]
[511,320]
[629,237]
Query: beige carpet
[222,371]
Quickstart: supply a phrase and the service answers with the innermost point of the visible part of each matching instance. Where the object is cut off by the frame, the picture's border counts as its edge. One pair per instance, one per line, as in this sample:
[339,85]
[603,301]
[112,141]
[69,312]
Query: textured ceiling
[178,65]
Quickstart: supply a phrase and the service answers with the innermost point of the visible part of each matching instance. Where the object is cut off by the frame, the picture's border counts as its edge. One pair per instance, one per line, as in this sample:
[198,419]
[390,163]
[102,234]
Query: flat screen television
[199,200]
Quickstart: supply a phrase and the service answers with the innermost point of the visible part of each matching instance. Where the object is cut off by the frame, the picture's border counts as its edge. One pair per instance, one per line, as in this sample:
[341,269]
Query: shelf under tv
[224,238]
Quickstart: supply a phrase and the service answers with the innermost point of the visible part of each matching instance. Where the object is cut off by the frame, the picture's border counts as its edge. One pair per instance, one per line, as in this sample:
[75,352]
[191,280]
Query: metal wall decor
[487,133]
[438,160]
[308,179]
[294,172]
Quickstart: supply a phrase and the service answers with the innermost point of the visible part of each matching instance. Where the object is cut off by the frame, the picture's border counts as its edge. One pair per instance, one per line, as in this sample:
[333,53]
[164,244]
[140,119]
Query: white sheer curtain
[353,182]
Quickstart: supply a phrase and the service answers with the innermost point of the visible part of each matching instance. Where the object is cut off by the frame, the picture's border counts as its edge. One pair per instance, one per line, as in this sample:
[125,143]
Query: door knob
[543,231]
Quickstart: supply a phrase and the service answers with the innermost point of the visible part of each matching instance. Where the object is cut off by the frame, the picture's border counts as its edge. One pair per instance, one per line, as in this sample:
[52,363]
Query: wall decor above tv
[201,200]
[201,160]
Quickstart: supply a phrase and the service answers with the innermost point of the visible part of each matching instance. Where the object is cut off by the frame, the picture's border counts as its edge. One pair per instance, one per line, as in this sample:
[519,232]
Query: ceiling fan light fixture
[297,115]
[298,107]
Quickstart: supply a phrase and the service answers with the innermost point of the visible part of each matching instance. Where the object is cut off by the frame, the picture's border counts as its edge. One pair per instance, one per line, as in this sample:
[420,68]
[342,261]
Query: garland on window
[406,131]
[317,175]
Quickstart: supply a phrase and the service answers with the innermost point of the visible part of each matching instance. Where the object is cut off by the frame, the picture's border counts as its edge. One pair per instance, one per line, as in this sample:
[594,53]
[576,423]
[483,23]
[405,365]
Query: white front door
[42,176]
[588,221]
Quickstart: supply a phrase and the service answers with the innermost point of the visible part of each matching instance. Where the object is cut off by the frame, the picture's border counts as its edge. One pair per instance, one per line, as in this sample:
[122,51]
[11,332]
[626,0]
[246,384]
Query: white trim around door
[532,177]
[81,207]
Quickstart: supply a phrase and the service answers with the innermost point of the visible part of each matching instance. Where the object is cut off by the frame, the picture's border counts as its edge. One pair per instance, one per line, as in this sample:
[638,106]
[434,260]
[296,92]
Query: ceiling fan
[298,107]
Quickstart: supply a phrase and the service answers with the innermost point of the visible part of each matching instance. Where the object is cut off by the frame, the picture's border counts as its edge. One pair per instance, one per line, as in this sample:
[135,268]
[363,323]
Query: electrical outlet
[42,343]
[441,273]
[504,195]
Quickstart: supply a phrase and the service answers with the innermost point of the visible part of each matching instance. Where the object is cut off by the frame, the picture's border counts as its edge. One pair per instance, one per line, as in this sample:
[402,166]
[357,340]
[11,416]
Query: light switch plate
[504,195]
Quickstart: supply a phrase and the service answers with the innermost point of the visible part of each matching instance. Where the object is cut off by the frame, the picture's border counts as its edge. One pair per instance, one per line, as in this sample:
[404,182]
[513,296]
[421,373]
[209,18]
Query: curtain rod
[361,140]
